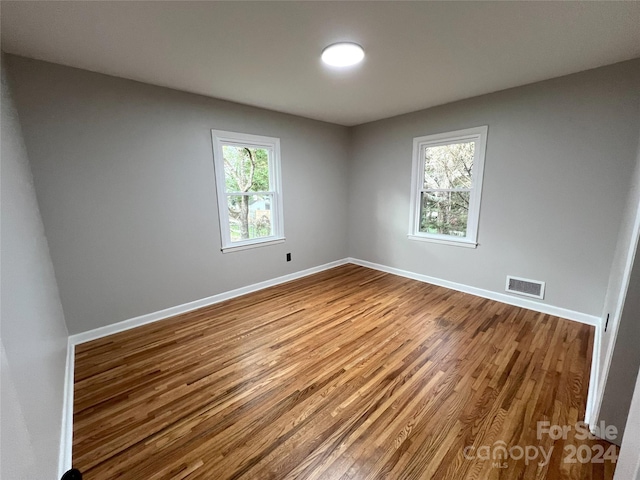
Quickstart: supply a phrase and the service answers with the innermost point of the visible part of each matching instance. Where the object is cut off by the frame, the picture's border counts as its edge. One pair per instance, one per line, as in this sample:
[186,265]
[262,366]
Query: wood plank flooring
[347,374]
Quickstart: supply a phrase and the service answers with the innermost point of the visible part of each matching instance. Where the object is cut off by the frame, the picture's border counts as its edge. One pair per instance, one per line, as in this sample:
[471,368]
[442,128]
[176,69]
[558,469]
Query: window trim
[222,137]
[477,134]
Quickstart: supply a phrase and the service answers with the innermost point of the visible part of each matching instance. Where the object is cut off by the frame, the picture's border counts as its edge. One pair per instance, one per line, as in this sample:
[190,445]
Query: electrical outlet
[288,257]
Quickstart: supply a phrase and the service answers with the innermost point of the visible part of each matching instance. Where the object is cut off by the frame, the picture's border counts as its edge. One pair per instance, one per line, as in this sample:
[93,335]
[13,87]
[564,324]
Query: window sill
[444,241]
[247,246]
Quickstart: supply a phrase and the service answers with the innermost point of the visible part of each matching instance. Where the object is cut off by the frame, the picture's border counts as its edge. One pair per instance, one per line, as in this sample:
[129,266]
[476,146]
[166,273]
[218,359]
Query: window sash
[444,213]
[240,140]
[270,163]
[252,192]
[256,226]
[420,144]
[446,190]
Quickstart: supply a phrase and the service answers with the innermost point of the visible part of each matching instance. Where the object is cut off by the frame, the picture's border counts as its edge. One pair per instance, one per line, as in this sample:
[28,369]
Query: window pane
[246,169]
[444,213]
[250,216]
[449,166]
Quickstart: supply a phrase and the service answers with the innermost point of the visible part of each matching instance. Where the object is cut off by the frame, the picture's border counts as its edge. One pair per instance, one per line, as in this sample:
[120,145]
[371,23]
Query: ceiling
[267,54]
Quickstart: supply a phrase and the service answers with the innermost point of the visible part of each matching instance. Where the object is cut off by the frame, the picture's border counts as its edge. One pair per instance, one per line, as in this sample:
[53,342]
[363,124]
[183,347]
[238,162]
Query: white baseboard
[594,376]
[96,333]
[594,379]
[204,302]
[67,427]
[480,292]
[616,318]
[66,434]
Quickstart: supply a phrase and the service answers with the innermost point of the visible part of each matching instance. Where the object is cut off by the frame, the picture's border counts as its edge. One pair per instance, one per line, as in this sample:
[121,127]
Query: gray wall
[124,174]
[559,157]
[33,333]
[618,390]
[628,465]
[626,320]
[124,178]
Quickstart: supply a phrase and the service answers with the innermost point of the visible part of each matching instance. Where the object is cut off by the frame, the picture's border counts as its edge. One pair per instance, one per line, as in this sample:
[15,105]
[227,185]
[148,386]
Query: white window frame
[479,136]
[272,144]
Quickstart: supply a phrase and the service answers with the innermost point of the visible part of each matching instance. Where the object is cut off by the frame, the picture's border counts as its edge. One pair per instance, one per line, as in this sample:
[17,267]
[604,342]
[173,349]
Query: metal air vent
[524,286]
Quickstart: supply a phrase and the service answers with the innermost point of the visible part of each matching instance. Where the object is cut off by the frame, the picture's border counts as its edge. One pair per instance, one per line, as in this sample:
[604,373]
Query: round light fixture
[342,54]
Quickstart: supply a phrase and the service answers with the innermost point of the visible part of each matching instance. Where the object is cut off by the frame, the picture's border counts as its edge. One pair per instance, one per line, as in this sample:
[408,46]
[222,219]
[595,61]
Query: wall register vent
[524,286]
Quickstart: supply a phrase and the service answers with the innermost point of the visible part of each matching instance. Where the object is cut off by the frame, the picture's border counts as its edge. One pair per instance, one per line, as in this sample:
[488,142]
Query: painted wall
[33,332]
[124,174]
[619,304]
[625,362]
[559,158]
[628,466]
[124,177]
[17,458]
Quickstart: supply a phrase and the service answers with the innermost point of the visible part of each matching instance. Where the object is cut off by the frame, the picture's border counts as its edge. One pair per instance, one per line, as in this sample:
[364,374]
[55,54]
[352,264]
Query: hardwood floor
[347,374]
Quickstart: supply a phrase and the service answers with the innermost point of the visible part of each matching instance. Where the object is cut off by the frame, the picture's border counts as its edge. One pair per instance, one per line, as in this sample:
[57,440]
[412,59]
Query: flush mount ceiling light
[342,54]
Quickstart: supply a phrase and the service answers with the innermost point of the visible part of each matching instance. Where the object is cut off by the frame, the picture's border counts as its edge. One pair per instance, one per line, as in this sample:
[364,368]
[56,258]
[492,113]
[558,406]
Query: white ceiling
[418,54]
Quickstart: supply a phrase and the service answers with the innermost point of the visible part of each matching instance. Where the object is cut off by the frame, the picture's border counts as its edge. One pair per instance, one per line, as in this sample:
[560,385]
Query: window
[247,170]
[446,186]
